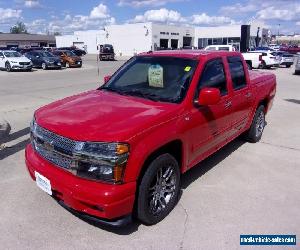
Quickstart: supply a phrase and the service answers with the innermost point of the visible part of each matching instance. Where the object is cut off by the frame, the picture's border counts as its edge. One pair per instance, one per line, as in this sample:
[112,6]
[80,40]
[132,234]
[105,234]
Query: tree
[18,28]
[56,33]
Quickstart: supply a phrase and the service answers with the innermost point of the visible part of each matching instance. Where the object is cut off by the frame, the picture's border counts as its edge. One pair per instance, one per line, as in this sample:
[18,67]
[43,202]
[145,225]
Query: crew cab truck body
[120,150]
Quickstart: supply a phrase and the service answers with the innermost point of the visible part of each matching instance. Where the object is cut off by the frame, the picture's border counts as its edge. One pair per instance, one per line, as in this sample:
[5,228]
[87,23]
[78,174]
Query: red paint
[146,126]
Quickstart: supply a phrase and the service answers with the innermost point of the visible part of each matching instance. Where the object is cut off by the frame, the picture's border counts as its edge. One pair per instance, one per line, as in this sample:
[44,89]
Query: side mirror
[106,78]
[209,96]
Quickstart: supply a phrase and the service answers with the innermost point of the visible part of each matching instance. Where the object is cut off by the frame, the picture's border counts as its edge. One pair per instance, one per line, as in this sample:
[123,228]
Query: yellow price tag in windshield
[187,68]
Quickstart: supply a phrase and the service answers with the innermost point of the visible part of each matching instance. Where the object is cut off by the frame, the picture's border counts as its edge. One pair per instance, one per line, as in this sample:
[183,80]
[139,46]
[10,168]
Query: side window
[237,72]
[213,76]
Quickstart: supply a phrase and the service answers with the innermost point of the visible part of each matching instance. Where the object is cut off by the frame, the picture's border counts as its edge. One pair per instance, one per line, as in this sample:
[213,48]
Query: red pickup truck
[118,151]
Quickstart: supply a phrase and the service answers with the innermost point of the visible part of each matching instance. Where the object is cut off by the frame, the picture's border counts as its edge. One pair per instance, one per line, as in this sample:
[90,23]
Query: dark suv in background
[44,59]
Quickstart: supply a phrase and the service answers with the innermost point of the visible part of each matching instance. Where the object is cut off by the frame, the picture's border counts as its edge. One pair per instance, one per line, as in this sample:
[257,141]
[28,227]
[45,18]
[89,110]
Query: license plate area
[43,183]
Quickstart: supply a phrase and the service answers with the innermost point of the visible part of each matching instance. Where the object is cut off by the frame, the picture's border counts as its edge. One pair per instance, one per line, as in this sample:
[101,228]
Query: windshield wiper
[139,93]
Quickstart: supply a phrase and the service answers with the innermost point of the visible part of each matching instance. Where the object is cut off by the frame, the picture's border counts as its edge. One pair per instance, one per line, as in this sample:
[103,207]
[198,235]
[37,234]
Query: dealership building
[129,39]
[8,40]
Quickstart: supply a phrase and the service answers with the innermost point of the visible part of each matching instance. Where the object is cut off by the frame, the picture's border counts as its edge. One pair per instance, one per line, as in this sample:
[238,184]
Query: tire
[288,66]
[44,66]
[7,67]
[158,190]
[263,65]
[67,65]
[255,132]
[297,72]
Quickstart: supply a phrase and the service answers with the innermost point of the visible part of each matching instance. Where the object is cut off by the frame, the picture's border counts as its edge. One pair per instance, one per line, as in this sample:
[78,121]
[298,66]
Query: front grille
[54,148]
[24,63]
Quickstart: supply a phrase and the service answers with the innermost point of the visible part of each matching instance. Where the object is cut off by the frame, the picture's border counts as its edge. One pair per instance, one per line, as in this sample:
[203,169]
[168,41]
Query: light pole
[278,28]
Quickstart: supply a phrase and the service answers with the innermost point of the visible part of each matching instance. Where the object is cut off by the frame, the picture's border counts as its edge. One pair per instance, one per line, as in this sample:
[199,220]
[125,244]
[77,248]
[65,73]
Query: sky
[42,16]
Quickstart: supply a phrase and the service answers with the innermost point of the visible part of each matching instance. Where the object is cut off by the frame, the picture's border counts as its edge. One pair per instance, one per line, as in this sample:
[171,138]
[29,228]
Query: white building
[129,39]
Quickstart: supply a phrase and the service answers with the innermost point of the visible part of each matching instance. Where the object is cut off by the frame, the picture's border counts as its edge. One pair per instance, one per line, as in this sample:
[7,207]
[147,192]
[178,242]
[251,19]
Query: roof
[188,53]
[26,37]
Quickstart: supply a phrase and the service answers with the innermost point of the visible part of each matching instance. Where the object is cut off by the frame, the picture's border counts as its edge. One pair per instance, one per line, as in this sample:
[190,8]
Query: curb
[4,128]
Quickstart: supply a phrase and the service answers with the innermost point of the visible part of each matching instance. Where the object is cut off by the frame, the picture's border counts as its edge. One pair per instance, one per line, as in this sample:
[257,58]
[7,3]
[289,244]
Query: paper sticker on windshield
[156,76]
[187,68]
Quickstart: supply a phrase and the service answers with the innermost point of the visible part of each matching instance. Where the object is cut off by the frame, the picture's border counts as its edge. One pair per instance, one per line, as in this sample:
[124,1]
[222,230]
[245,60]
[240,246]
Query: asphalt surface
[242,189]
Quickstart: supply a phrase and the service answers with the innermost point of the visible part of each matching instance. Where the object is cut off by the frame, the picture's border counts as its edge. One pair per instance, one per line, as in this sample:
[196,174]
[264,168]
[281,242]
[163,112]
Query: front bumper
[76,64]
[53,65]
[106,203]
[24,67]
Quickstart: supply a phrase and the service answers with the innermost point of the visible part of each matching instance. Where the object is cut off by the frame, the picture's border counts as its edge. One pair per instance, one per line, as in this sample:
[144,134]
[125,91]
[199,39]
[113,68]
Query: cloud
[161,15]
[204,19]
[171,16]
[7,15]
[98,17]
[286,13]
[239,8]
[145,3]
[31,4]
[99,12]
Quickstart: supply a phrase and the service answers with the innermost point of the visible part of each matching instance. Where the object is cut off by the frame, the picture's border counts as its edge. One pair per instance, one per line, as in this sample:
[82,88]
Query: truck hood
[100,115]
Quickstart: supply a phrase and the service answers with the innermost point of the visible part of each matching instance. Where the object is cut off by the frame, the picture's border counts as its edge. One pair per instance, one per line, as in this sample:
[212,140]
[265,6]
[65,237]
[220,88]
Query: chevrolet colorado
[120,150]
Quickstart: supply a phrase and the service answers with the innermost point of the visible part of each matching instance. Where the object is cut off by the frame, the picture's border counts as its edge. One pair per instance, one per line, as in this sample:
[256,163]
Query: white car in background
[267,59]
[220,47]
[13,60]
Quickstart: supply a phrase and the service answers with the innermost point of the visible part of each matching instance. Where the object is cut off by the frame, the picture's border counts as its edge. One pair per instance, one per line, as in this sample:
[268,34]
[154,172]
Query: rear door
[210,124]
[242,96]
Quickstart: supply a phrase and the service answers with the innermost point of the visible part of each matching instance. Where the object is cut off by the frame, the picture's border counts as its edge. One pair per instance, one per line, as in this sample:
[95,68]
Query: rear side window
[213,76]
[237,72]
[224,48]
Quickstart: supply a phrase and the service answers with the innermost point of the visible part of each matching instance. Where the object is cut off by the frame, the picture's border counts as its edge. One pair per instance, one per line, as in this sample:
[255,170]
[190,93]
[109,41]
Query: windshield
[12,54]
[156,78]
[69,53]
[46,54]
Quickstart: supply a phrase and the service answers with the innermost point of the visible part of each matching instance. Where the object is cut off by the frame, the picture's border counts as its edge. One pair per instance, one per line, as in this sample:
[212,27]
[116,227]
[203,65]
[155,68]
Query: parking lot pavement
[242,189]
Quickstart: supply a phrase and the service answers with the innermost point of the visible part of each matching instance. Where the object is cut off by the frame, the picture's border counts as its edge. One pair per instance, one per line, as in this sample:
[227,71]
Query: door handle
[248,95]
[228,104]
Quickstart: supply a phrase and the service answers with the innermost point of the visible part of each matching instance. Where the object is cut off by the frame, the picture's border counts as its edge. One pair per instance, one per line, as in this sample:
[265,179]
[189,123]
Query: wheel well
[174,148]
[264,102]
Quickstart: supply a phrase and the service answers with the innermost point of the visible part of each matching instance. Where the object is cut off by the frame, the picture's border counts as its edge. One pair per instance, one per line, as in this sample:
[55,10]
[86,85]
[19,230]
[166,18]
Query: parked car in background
[297,65]
[220,47]
[13,60]
[274,46]
[285,59]
[120,150]
[68,58]
[106,52]
[44,59]
[263,49]
[75,50]
[268,60]
[294,49]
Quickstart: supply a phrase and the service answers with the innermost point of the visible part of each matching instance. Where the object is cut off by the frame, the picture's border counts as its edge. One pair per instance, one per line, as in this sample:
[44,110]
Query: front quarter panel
[150,140]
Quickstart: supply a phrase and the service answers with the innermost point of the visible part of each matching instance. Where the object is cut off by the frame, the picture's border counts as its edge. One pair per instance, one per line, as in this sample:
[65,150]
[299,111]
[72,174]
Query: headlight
[101,161]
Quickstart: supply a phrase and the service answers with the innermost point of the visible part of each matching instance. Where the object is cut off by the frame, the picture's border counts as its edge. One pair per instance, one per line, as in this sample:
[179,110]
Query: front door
[210,125]
[242,98]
